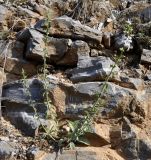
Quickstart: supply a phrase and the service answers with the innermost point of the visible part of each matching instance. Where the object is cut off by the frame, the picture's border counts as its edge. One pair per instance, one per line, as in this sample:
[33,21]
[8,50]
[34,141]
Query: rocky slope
[80,56]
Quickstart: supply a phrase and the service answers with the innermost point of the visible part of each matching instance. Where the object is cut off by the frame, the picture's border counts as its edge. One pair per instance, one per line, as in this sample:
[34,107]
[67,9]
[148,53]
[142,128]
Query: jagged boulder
[66,27]
[19,104]
[11,58]
[71,100]
[139,10]
[77,48]
[93,69]
[54,49]
[60,51]
[126,139]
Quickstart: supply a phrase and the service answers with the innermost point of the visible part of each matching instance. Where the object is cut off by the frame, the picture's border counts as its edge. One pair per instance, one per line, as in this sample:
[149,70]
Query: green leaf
[84,140]
[89,129]
[72,145]
[72,125]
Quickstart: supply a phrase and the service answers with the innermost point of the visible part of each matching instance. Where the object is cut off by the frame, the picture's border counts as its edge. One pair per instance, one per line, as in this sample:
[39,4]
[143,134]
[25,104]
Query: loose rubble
[81,51]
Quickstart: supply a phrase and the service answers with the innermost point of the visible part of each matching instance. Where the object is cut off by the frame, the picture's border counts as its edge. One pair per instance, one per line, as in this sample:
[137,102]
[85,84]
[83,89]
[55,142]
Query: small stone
[133,83]
[148,77]
[146,56]
[106,39]
[75,48]
[6,139]
[33,153]
[109,20]
[94,53]
[93,69]
[115,136]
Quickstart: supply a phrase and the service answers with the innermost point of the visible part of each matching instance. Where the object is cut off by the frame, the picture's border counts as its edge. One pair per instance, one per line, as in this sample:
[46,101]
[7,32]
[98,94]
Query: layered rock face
[80,58]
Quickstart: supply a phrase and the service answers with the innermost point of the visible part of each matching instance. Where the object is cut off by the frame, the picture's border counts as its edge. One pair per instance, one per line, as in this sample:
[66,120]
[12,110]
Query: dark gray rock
[26,121]
[20,105]
[60,51]
[12,48]
[68,28]
[12,51]
[76,48]
[145,14]
[15,92]
[54,49]
[122,41]
[140,10]
[144,149]
[72,100]
[32,152]
[132,147]
[25,35]
[124,139]
[129,148]
[93,69]
[6,150]
[129,140]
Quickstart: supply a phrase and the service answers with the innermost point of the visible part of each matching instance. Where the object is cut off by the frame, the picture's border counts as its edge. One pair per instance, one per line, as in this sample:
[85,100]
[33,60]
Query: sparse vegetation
[77,128]
[80,71]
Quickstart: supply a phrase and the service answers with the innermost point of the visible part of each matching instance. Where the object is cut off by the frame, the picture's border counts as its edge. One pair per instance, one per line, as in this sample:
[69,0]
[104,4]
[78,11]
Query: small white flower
[129,21]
